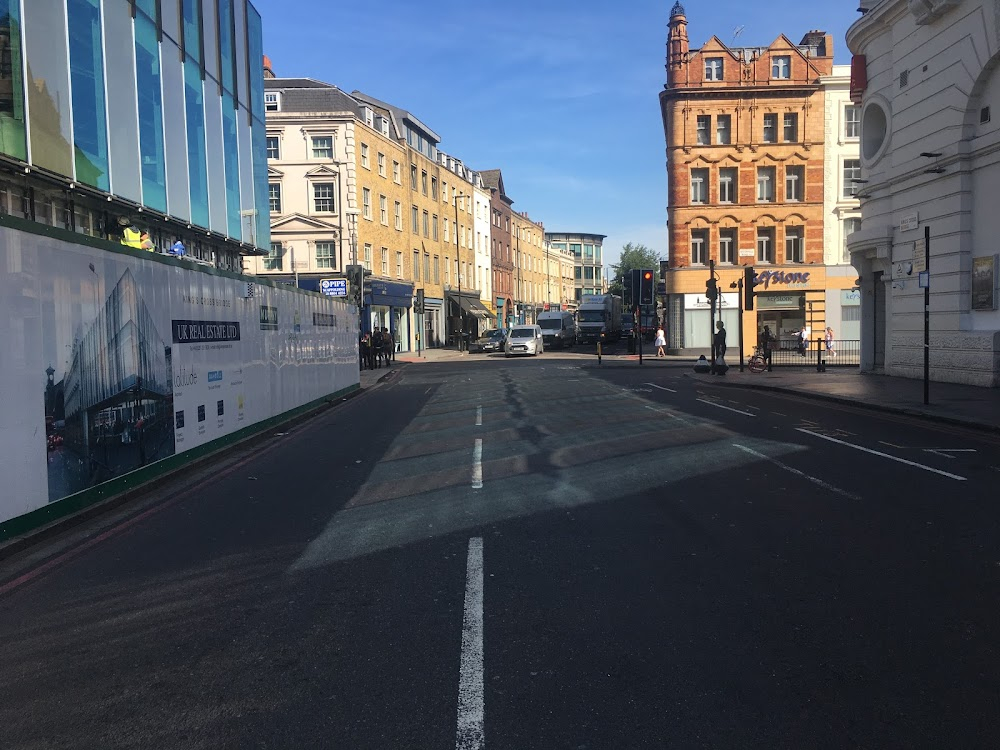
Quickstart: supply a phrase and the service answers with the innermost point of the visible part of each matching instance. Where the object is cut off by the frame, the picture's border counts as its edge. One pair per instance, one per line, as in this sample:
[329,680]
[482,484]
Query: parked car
[524,340]
[492,340]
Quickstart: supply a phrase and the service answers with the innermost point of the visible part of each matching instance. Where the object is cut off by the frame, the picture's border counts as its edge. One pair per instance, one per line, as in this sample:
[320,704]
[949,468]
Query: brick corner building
[746,132]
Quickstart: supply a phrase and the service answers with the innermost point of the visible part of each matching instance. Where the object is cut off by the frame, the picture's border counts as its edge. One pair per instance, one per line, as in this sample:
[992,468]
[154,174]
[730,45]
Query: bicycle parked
[757,361]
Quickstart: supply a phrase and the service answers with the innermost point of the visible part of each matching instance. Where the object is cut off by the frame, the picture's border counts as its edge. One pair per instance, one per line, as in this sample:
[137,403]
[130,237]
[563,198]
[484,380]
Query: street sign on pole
[333,287]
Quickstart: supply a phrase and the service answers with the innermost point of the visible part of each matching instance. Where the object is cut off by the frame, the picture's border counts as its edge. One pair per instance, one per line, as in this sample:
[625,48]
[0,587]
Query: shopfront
[786,299]
[466,314]
[388,306]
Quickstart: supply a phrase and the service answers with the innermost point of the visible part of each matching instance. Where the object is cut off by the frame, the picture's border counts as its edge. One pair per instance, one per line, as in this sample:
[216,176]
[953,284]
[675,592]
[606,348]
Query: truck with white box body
[599,318]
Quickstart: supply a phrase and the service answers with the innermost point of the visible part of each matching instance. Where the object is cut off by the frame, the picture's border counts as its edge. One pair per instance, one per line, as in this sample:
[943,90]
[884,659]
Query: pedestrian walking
[660,342]
[803,341]
[719,365]
[828,338]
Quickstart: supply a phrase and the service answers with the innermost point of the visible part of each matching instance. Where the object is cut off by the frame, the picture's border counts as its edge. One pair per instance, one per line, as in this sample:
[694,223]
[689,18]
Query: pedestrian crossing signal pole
[738,285]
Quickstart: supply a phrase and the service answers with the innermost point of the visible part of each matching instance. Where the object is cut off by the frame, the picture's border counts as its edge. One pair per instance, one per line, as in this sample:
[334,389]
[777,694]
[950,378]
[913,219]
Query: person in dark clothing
[767,343]
[719,366]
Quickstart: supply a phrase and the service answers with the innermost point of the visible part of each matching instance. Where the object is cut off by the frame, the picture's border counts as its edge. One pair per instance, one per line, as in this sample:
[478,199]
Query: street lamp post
[458,257]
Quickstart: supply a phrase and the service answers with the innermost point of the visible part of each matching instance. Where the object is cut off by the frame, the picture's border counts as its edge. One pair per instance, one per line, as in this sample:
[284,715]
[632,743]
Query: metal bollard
[598,352]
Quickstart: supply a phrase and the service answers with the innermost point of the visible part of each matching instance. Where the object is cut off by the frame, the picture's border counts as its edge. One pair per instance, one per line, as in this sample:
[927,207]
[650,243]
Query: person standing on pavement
[767,343]
[803,341]
[719,341]
[660,342]
[828,338]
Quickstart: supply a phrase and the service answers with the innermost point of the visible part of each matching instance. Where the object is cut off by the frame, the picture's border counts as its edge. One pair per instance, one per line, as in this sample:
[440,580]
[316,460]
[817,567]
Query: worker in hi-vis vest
[132,237]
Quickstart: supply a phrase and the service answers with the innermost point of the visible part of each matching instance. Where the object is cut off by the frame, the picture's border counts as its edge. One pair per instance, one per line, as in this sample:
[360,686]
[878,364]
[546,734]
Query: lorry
[599,318]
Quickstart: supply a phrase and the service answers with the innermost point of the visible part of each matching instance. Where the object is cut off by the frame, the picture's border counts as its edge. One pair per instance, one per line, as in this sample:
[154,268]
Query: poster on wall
[111,362]
[984,283]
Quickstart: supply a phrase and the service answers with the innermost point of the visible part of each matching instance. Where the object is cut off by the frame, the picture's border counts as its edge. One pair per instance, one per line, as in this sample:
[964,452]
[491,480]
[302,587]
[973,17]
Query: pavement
[949,403]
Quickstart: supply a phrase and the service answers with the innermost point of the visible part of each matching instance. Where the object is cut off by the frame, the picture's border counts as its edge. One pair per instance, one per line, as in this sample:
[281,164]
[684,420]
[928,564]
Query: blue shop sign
[390,294]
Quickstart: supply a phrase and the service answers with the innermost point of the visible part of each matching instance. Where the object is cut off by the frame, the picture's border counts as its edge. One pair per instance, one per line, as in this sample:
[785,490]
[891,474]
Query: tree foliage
[633,256]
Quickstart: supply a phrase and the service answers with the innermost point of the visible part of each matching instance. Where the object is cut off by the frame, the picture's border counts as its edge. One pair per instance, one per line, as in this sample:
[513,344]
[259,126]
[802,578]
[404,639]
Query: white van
[558,329]
[526,339]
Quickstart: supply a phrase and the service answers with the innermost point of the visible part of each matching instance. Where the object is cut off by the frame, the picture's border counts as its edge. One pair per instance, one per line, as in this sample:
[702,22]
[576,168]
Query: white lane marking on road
[428,391]
[660,411]
[891,445]
[793,470]
[477,465]
[470,735]
[884,455]
[946,452]
[479,416]
[661,387]
[727,408]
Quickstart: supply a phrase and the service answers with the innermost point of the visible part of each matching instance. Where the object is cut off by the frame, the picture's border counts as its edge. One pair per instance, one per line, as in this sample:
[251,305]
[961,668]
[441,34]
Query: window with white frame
[851,226]
[383,210]
[323,197]
[416,265]
[781,66]
[385,262]
[366,203]
[446,229]
[364,156]
[273,150]
[790,127]
[399,264]
[413,176]
[322,147]
[852,121]
[728,177]
[273,260]
[704,124]
[765,184]
[398,209]
[794,177]
[852,172]
[771,127]
[434,227]
[427,224]
[723,129]
[423,182]
[366,259]
[699,247]
[271,103]
[434,188]
[414,219]
[794,251]
[727,246]
[395,172]
[699,185]
[381,164]
[324,255]
[274,197]
[713,68]
[765,244]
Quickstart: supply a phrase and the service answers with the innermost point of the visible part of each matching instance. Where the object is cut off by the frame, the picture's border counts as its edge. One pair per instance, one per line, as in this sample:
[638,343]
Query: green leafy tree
[633,256]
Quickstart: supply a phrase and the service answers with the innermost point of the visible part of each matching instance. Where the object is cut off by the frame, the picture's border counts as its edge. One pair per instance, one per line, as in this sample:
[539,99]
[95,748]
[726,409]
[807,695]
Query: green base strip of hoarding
[134,480]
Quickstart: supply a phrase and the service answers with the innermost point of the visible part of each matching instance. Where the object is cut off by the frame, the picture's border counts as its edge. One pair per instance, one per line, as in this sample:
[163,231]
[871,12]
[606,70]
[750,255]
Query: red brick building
[744,130]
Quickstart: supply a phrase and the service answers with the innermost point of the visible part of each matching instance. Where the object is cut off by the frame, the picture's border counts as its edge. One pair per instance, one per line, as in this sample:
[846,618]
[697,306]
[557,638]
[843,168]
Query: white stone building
[841,207]
[484,256]
[926,74]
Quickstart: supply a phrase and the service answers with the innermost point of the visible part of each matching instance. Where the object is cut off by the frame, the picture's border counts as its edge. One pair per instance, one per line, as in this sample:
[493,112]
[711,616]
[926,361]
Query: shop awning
[471,305]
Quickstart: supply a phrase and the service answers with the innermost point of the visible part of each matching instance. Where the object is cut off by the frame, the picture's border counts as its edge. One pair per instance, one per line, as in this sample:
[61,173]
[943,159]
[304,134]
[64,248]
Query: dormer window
[781,66]
[713,69]
[271,102]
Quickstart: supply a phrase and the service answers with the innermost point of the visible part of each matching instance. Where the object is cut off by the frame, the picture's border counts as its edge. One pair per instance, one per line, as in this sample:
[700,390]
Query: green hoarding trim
[19,525]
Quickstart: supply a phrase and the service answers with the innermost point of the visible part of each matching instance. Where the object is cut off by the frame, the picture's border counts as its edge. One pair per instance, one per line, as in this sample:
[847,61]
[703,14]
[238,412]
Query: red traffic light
[647,275]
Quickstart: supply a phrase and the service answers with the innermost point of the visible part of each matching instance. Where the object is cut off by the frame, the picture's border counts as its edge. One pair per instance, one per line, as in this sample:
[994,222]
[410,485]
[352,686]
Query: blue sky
[562,96]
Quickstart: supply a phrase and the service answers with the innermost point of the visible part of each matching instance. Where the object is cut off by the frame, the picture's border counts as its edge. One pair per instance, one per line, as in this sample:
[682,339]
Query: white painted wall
[948,52]
[484,257]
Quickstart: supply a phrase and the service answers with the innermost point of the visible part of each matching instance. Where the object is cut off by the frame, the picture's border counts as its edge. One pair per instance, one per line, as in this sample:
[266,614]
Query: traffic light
[646,286]
[418,305]
[711,290]
[748,292]
[357,277]
[633,288]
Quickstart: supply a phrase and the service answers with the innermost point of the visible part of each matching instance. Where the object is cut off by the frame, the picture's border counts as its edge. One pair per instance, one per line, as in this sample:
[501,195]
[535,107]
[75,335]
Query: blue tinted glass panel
[123,128]
[50,125]
[244,135]
[191,10]
[194,103]
[232,156]
[256,51]
[148,7]
[242,82]
[13,135]
[210,31]
[262,236]
[147,76]
[226,51]
[90,127]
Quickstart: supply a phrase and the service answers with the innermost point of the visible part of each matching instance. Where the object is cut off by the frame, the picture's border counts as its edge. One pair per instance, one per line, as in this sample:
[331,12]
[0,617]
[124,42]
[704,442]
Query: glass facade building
[587,251]
[158,104]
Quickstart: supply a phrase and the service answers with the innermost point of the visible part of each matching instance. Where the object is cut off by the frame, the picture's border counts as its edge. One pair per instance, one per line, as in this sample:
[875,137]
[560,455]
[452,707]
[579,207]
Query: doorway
[878,322]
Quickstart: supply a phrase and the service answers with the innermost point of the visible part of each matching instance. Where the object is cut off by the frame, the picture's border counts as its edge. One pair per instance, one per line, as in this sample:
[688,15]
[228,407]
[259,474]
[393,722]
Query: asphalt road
[531,554]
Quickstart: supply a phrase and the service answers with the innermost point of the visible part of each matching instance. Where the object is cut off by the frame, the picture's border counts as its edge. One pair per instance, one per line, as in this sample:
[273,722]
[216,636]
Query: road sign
[333,287]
